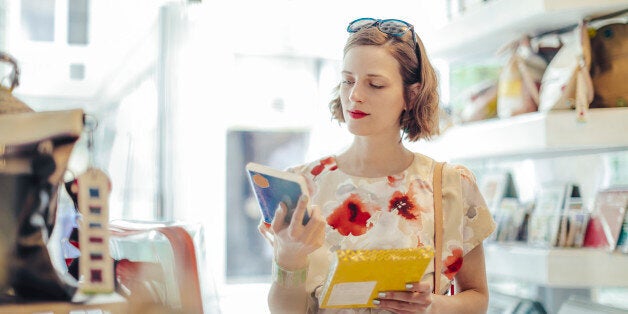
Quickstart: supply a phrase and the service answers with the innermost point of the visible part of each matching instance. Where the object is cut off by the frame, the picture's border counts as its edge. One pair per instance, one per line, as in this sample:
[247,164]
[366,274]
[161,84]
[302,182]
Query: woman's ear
[413,92]
[414,89]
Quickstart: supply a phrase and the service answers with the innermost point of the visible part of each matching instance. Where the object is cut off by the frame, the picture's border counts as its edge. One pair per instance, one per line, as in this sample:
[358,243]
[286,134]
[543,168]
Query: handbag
[519,80]
[609,63]
[566,83]
[34,151]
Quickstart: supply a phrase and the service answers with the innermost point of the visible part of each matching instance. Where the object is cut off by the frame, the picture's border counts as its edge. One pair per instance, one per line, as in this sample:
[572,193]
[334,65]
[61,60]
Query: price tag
[95,264]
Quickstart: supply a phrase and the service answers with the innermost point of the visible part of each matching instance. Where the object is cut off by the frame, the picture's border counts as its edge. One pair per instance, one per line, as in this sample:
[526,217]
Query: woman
[378,193]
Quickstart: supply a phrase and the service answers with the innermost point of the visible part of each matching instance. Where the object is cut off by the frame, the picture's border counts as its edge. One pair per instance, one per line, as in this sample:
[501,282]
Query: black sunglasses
[391,27]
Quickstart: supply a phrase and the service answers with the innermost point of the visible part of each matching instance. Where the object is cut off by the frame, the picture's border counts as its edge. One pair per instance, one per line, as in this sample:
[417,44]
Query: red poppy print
[453,263]
[404,205]
[350,217]
[329,162]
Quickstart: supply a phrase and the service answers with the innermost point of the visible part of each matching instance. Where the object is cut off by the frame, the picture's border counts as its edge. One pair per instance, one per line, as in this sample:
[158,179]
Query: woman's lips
[357,114]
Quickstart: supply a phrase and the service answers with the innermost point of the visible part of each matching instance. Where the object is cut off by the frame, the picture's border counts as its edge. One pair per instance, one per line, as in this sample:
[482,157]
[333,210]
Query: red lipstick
[357,114]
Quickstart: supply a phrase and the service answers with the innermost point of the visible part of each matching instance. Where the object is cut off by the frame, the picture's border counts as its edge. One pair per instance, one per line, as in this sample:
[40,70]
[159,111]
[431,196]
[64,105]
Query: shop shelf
[557,267]
[481,31]
[554,133]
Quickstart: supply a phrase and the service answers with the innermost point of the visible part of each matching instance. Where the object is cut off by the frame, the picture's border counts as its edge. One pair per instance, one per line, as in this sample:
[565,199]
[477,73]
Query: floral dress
[394,212]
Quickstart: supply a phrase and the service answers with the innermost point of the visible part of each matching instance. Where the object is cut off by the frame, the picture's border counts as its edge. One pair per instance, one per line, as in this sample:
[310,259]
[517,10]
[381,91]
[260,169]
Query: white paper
[348,293]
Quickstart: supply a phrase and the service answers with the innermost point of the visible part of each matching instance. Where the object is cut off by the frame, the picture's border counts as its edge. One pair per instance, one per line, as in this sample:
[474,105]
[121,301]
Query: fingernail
[409,286]
[305,198]
[376,302]
[381,295]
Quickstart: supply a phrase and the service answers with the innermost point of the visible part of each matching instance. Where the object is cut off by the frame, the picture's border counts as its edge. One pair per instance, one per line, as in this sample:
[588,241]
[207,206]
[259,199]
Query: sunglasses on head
[391,27]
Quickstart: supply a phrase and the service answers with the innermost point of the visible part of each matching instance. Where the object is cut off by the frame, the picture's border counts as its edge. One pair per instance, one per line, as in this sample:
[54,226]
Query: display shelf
[557,267]
[532,135]
[480,32]
[99,303]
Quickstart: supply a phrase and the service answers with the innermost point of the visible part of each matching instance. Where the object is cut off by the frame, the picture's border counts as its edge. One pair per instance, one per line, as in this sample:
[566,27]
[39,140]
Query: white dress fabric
[394,212]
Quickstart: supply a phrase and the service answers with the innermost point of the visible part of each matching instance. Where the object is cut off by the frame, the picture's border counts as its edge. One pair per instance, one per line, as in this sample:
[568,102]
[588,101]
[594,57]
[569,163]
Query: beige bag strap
[438,224]
[584,85]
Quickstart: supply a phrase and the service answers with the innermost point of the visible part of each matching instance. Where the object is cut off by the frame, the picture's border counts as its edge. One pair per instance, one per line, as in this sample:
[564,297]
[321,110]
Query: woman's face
[371,91]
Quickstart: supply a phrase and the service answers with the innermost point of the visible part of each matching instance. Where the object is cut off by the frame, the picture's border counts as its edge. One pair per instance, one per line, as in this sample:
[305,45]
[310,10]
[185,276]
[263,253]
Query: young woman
[377,193]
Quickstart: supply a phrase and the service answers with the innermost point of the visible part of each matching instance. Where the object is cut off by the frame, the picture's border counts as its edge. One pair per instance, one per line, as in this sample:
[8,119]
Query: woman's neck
[373,158]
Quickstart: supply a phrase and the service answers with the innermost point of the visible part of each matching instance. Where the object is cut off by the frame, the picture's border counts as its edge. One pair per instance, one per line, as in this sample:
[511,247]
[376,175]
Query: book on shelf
[622,241]
[574,228]
[549,221]
[496,186]
[357,276]
[608,220]
[509,217]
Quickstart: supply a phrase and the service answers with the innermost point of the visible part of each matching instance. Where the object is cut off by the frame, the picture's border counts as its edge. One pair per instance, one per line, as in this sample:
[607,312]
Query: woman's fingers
[264,230]
[278,220]
[401,307]
[409,296]
[419,287]
[417,298]
[317,227]
[300,211]
[296,240]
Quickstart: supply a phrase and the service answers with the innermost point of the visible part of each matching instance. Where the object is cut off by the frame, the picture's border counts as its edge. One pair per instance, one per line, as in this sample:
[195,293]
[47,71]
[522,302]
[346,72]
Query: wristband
[288,278]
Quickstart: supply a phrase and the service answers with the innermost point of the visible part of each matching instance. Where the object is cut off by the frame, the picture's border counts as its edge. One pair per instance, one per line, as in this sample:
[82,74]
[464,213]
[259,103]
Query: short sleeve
[477,220]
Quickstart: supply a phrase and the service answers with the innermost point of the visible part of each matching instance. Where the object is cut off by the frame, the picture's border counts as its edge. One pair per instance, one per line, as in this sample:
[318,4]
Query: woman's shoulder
[466,175]
[449,168]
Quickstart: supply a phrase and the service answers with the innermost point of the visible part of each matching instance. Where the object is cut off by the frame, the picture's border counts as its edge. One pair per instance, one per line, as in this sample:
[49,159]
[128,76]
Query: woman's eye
[347,82]
[376,86]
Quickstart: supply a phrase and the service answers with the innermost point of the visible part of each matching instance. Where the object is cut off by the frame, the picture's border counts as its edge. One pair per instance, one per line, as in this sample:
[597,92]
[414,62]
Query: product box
[357,276]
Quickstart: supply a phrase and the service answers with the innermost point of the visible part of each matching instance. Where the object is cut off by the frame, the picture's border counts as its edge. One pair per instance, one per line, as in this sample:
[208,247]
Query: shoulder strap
[437,185]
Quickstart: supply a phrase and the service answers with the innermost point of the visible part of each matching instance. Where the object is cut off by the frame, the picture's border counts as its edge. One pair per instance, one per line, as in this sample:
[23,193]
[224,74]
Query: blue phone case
[271,189]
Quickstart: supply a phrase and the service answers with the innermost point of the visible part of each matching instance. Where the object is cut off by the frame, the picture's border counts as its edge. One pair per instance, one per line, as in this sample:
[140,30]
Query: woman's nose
[355,94]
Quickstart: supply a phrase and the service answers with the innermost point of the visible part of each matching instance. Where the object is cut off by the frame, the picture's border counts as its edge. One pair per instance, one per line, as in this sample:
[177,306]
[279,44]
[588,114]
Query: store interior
[185,93]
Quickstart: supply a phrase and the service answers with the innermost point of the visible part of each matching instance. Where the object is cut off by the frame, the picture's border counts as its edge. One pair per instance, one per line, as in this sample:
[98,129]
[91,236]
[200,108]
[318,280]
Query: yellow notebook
[356,276]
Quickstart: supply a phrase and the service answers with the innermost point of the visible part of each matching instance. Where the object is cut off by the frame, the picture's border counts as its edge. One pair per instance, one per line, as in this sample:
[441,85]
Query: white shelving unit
[557,267]
[533,135]
[557,272]
[480,32]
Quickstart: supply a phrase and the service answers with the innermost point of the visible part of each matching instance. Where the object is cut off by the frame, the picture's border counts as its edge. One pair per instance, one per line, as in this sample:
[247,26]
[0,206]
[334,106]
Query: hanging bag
[566,83]
[519,80]
[609,61]
[34,151]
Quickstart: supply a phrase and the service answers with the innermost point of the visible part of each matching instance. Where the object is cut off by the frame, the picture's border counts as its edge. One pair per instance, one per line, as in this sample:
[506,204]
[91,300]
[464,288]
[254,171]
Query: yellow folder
[356,276]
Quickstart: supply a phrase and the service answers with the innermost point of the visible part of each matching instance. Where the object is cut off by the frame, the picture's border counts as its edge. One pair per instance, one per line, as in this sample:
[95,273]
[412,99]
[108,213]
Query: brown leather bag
[34,151]
[609,65]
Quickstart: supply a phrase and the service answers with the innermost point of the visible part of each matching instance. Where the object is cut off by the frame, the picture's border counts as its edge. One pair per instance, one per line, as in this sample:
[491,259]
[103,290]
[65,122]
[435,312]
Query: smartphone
[272,186]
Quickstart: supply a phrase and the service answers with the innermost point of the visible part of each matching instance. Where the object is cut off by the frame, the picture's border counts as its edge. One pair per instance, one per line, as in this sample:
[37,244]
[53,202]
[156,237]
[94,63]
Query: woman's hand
[294,242]
[417,299]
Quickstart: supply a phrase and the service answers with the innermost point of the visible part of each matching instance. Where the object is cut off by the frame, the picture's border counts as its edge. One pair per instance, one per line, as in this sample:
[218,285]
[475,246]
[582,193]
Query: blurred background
[187,92]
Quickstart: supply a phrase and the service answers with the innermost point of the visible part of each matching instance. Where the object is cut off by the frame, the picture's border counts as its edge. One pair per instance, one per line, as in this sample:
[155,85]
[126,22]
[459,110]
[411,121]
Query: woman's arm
[471,285]
[292,244]
[284,299]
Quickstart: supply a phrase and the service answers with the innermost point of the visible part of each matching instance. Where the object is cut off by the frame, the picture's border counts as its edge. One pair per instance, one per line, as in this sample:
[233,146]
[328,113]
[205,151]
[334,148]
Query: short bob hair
[420,120]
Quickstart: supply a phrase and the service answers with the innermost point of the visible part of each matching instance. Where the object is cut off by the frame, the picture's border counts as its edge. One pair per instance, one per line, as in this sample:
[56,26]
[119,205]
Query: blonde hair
[420,119]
